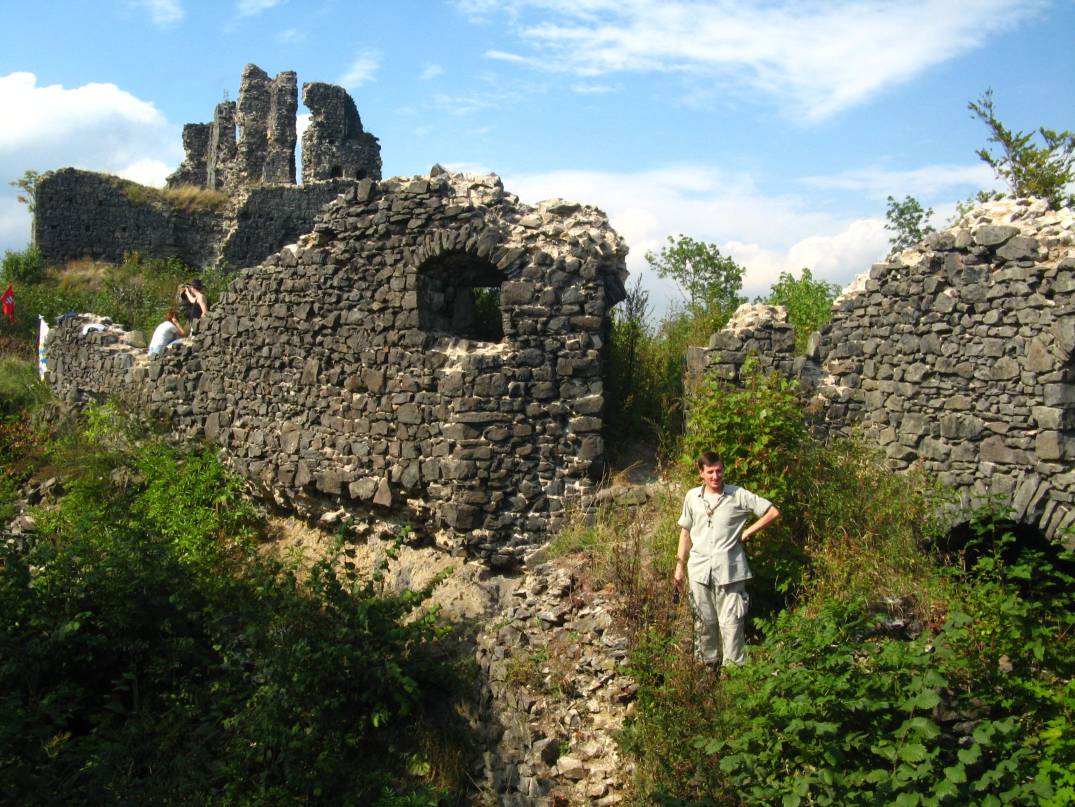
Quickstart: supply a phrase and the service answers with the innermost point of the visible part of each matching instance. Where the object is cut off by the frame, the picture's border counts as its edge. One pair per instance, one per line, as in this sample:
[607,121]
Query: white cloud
[98,127]
[766,234]
[504,56]
[431,71]
[362,69]
[469,168]
[147,171]
[815,59]
[14,224]
[927,181]
[163,13]
[291,36]
[302,123]
[593,88]
[249,8]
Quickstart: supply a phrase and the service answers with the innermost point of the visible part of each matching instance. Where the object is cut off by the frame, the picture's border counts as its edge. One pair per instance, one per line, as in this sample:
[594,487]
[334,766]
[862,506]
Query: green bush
[26,266]
[807,301]
[937,684]
[136,293]
[149,654]
[20,386]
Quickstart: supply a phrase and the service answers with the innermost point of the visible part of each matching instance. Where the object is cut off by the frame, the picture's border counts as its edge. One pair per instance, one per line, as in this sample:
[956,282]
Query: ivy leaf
[969,756]
[926,699]
[956,774]
[906,800]
[919,726]
[912,752]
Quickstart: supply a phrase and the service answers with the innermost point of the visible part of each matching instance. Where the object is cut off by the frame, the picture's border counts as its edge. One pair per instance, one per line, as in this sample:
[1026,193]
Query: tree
[908,221]
[1046,171]
[27,183]
[709,281]
[808,303]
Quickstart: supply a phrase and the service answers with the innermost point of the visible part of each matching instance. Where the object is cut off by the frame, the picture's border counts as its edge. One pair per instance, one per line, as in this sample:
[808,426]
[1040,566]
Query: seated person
[192,301]
[166,333]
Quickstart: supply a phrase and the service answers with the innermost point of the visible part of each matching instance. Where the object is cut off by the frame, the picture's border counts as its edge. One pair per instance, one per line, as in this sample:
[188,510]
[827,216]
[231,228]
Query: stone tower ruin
[251,142]
[247,154]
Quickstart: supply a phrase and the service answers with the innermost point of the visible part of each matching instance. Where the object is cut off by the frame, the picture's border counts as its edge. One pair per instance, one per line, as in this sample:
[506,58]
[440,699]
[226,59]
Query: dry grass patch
[185,198]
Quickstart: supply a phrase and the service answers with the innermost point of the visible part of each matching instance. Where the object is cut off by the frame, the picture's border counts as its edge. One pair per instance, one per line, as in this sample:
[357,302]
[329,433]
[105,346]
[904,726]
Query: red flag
[9,303]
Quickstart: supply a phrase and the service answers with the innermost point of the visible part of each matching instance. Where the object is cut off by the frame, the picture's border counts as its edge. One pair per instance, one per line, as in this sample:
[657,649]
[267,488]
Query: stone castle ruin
[247,154]
[334,146]
[431,350]
[958,354]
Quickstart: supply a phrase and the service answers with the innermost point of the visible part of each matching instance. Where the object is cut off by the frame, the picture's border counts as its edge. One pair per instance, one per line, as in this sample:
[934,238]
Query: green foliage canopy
[807,301]
[898,675]
[149,654]
[908,221]
[27,184]
[711,282]
[1046,171]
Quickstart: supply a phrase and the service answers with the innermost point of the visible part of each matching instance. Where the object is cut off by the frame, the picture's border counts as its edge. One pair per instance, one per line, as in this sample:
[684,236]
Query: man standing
[713,530]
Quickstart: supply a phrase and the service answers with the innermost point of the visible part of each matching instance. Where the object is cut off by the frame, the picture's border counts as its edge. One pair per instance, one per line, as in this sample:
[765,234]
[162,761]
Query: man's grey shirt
[717,554]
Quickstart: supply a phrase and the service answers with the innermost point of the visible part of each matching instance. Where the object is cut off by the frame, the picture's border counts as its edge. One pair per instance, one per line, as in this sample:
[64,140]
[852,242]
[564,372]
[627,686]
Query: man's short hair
[709,458]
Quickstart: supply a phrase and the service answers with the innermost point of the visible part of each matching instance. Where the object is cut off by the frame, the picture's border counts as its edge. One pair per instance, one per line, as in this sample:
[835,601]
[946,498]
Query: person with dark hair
[166,333]
[713,529]
[192,301]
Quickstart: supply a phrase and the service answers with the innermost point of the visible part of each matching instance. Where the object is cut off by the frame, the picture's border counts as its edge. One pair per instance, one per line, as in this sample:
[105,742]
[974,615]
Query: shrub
[20,386]
[148,653]
[807,301]
[135,293]
[892,681]
[26,266]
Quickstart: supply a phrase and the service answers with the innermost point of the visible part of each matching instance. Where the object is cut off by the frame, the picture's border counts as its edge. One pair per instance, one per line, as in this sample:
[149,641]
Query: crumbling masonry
[431,350]
[956,355]
[247,153]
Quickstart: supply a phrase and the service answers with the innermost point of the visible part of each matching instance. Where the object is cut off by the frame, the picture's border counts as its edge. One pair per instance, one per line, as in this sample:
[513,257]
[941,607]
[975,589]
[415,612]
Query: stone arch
[459,295]
[1035,505]
[464,283]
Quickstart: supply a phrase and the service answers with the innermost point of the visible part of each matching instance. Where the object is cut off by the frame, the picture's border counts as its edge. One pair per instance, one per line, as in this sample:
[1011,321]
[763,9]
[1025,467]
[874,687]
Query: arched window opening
[335,172]
[1017,553]
[459,295]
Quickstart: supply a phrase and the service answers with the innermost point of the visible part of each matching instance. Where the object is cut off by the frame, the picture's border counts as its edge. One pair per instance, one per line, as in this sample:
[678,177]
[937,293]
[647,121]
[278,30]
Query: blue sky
[775,129]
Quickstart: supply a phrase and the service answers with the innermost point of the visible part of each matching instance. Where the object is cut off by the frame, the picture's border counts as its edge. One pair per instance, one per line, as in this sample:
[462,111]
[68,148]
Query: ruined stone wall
[81,214]
[92,216]
[220,161]
[271,216]
[252,142]
[335,145]
[194,168]
[957,355]
[248,153]
[319,374]
[266,119]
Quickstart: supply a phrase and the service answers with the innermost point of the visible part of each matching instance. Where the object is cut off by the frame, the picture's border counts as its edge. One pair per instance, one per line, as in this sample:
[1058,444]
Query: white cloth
[163,335]
[42,343]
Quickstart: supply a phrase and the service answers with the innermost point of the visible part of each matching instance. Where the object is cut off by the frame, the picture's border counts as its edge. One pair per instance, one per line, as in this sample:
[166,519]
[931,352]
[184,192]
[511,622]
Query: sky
[774,129]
